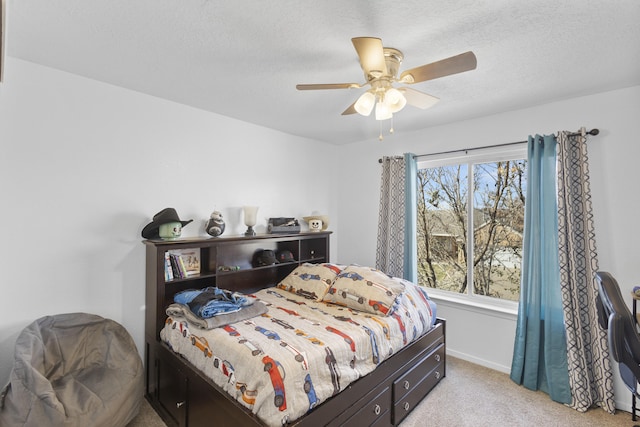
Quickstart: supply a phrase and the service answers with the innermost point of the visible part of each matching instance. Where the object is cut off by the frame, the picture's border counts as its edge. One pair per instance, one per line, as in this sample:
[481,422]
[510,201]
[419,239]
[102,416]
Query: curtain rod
[593,132]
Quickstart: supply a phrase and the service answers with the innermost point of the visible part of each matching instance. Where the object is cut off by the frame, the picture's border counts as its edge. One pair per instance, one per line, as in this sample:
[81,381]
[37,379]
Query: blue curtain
[410,238]
[540,349]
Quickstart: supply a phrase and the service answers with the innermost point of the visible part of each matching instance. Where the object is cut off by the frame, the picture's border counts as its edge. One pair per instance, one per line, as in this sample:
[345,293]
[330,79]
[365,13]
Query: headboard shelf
[226,262]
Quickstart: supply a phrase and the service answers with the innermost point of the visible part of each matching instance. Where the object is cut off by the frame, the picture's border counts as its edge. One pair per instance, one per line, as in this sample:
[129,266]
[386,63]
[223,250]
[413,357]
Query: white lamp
[250,219]
[365,103]
[394,100]
[382,111]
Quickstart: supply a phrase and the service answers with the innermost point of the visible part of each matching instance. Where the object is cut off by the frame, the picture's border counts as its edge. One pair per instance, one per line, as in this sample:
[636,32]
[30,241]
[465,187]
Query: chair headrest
[610,296]
[624,341]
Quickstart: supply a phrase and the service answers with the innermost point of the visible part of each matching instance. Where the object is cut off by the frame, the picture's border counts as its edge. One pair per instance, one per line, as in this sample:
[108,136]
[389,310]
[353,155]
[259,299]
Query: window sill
[506,309]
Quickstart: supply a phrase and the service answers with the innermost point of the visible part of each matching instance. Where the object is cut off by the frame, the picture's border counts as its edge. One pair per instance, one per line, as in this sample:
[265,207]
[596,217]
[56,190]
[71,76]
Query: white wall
[84,166]
[472,333]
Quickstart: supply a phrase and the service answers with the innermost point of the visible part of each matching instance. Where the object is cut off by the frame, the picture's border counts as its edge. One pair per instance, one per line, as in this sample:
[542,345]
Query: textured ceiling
[243,58]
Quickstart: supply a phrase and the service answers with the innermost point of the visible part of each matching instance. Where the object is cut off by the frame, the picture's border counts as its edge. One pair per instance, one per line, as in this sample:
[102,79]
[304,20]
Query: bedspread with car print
[301,352]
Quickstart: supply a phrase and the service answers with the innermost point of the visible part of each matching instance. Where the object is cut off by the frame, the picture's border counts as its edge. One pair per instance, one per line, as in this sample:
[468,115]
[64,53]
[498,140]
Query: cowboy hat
[165,216]
[323,218]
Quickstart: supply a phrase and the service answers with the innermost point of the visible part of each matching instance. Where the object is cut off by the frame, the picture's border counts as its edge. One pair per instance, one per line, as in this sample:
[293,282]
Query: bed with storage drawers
[333,344]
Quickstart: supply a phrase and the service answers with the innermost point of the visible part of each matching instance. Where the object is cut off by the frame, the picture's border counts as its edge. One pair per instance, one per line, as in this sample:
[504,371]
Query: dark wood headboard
[226,262]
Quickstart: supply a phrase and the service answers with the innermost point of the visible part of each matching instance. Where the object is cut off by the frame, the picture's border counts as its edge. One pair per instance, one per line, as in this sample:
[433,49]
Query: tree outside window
[449,257]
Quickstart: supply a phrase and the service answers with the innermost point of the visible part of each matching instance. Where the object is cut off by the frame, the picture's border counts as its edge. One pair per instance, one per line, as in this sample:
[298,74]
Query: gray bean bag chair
[73,369]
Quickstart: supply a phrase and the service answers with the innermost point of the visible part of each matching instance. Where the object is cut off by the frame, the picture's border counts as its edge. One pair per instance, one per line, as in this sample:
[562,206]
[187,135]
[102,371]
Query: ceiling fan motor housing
[393,58]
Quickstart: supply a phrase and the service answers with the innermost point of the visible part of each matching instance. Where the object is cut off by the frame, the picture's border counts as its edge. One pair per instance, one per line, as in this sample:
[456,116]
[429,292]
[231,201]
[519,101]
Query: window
[450,258]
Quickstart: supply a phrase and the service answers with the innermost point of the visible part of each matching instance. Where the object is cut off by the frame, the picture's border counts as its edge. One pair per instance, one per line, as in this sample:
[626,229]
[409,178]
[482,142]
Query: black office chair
[624,341]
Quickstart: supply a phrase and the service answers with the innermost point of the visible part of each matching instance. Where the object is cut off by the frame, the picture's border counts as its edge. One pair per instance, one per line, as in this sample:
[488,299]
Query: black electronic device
[283,225]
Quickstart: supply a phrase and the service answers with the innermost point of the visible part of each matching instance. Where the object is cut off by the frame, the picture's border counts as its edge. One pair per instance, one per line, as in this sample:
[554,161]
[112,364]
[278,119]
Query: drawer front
[172,390]
[384,420]
[412,377]
[376,411]
[402,407]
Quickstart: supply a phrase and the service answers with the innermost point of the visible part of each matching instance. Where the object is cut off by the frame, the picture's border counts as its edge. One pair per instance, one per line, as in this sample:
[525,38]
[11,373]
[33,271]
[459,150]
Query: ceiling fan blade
[371,54]
[350,110]
[418,99]
[328,86]
[445,67]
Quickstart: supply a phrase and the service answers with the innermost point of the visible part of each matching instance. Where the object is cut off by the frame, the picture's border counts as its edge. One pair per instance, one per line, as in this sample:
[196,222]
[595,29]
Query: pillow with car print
[365,289]
[310,280]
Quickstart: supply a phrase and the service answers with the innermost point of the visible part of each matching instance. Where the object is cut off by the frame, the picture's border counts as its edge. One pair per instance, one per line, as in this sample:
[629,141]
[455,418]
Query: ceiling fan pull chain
[391,129]
[380,137]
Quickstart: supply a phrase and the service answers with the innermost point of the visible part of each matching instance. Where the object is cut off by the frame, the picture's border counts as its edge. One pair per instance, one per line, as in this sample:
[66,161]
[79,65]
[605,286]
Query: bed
[334,345]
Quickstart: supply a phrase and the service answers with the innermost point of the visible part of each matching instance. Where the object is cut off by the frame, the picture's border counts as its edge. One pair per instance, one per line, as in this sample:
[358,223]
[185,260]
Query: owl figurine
[215,224]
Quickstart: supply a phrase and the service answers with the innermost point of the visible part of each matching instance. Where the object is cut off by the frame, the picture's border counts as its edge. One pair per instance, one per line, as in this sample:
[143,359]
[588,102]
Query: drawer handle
[437,375]
[437,357]
[406,406]
[377,409]
[179,405]
[406,385]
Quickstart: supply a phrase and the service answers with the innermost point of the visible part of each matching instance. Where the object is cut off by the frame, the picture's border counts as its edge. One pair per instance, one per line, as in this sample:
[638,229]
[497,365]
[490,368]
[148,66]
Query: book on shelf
[174,267]
[168,270]
[182,263]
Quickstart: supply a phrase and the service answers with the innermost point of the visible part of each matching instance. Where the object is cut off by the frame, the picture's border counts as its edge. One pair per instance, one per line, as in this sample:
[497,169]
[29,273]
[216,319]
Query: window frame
[472,157]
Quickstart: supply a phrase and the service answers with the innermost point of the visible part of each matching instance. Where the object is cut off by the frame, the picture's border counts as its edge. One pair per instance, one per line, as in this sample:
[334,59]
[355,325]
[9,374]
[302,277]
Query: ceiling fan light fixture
[380,66]
[364,105]
[394,100]
[382,111]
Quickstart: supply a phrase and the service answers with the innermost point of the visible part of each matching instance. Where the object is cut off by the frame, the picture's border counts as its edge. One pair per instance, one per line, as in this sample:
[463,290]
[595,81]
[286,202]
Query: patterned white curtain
[395,251]
[590,374]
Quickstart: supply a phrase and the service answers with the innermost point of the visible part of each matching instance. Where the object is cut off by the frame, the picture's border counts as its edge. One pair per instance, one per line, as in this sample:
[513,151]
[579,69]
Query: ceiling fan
[380,65]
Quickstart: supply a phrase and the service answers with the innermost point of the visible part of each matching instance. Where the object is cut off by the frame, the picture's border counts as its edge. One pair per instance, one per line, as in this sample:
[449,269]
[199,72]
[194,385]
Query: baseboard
[625,405]
[478,361]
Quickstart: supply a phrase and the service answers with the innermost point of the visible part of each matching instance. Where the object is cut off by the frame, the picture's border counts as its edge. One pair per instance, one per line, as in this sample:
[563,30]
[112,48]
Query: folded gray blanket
[247,312]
